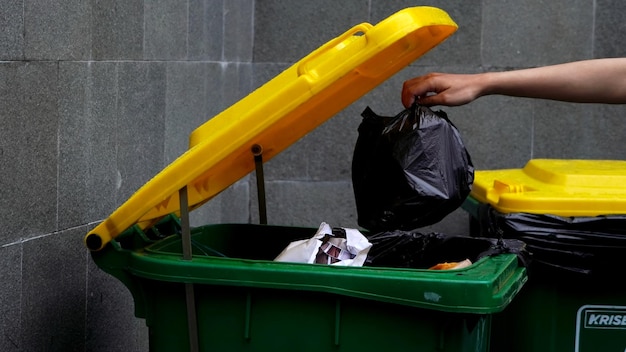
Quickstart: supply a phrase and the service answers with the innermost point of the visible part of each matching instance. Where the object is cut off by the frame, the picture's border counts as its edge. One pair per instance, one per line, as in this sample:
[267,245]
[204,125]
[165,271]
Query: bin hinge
[257,151]
[192,321]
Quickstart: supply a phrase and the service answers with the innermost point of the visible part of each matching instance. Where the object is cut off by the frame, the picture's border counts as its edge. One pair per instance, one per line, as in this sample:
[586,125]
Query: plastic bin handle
[359,28]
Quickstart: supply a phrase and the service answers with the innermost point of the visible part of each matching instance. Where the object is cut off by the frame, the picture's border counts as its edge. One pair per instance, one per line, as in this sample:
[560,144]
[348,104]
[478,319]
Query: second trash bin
[572,216]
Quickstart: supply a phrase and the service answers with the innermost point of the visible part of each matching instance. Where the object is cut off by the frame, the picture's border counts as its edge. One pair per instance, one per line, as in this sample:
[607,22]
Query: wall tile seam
[23,240]
[252,33]
[593,28]
[128,61]
[532,130]
[186,32]
[86,303]
[286,64]
[223,53]
[58,136]
[481,41]
[467,68]
[490,68]
[304,181]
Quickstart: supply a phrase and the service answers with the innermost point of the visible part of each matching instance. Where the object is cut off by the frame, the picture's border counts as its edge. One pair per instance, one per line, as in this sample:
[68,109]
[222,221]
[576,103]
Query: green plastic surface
[485,287]
[247,302]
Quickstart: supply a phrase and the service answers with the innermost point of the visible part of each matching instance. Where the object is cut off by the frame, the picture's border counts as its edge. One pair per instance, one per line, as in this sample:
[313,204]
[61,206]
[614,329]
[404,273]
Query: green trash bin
[572,216]
[218,288]
[247,302]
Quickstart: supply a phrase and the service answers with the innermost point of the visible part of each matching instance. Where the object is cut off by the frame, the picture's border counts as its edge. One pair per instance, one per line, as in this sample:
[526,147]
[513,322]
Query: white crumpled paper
[349,251]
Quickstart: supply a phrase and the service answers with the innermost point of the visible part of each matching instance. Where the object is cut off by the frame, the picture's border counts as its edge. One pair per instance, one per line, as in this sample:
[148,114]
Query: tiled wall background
[98,96]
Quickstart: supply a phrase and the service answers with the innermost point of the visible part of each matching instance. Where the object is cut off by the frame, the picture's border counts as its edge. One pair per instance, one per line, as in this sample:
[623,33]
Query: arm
[589,81]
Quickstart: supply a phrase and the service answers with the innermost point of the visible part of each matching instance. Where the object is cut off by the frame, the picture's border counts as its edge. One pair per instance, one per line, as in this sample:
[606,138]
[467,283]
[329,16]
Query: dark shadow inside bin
[397,249]
[243,241]
[416,250]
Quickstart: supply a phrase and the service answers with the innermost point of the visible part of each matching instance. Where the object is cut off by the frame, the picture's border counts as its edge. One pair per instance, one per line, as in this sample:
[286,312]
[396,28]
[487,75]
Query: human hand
[442,89]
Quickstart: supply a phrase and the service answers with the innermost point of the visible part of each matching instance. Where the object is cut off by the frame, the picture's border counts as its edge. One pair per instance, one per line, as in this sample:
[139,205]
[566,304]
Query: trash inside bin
[572,216]
[335,246]
[247,302]
[412,249]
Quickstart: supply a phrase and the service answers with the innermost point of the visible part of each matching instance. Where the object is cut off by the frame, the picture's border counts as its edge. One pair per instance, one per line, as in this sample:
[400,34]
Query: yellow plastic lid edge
[133,208]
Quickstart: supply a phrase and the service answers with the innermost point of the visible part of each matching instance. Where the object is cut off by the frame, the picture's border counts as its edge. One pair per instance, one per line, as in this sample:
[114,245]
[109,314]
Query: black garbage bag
[585,246]
[415,250]
[409,170]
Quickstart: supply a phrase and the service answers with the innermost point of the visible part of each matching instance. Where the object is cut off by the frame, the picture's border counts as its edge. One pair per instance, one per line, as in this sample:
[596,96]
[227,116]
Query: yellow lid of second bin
[555,186]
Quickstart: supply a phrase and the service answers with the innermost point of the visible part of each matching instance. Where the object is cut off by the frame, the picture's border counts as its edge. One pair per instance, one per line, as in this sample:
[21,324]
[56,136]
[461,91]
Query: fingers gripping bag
[409,170]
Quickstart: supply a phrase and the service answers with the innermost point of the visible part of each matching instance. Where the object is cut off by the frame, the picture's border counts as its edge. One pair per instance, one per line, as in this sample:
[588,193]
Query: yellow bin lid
[555,186]
[279,113]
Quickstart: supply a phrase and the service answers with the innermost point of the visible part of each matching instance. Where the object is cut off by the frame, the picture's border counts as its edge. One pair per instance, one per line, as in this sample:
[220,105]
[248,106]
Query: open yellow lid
[279,113]
[557,187]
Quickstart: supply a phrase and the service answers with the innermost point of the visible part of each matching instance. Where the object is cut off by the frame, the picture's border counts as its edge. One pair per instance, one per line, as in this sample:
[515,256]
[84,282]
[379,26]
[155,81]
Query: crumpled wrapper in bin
[325,247]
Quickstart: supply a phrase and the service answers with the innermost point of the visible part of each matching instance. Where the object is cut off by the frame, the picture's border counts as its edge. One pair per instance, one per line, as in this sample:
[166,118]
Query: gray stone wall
[98,96]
